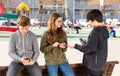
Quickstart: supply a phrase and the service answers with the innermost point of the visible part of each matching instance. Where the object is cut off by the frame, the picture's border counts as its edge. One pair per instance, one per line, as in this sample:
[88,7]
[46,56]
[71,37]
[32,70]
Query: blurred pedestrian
[112,31]
[77,26]
[69,25]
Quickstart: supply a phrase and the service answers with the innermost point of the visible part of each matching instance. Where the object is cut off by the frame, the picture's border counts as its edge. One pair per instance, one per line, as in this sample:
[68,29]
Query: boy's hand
[31,62]
[83,42]
[24,61]
[27,61]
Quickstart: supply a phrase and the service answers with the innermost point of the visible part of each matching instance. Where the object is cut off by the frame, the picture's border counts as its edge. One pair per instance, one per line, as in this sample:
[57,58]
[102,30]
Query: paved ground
[74,56]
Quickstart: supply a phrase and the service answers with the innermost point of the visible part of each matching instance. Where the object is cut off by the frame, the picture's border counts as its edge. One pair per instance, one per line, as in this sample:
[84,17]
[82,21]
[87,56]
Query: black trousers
[94,73]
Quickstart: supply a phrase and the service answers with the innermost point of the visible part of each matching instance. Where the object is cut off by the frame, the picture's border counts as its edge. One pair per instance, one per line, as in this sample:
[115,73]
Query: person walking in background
[77,26]
[96,48]
[112,31]
[69,25]
[111,22]
[54,45]
[23,49]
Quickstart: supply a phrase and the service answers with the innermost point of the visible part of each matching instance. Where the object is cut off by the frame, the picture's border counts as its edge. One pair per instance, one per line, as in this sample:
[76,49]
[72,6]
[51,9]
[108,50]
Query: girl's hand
[62,45]
[71,46]
[56,44]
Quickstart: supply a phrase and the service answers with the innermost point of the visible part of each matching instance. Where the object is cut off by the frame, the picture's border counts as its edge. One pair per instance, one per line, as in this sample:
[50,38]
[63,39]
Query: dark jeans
[112,33]
[94,73]
[15,68]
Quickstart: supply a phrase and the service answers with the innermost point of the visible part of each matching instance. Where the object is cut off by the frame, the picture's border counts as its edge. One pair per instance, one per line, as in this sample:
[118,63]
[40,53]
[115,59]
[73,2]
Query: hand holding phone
[62,45]
[83,42]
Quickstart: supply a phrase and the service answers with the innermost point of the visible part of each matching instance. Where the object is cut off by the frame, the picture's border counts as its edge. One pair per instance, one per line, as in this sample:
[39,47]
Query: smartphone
[81,40]
[27,59]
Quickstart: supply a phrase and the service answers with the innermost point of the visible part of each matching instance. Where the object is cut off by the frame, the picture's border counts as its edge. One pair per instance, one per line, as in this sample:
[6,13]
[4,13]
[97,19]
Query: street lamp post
[73,11]
[102,7]
[101,4]
[54,5]
[119,13]
[33,7]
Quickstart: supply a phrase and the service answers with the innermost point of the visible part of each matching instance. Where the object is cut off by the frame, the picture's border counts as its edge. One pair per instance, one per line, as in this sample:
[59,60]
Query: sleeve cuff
[19,58]
[77,46]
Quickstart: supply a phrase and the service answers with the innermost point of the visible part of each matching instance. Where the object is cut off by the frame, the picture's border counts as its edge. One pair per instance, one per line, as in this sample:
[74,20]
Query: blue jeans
[15,68]
[113,33]
[65,68]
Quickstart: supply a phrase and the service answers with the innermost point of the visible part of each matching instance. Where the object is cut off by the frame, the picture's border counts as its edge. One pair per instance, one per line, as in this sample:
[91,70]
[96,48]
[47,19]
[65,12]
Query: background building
[48,7]
[78,8]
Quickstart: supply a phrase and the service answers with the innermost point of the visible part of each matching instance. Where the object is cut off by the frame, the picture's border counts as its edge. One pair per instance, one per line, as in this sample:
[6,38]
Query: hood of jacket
[103,30]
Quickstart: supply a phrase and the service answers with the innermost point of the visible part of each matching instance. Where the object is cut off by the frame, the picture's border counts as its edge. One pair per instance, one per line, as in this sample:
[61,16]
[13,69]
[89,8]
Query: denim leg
[114,33]
[52,70]
[34,70]
[14,68]
[66,69]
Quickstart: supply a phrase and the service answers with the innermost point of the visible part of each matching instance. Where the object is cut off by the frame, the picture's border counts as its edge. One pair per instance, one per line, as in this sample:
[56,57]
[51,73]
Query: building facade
[78,8]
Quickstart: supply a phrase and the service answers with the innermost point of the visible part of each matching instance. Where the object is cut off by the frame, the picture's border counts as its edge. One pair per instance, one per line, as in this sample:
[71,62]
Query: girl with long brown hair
[54,46]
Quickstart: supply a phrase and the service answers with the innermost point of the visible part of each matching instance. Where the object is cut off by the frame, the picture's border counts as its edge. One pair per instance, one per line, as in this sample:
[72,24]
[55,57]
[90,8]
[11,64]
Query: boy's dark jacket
[96,48]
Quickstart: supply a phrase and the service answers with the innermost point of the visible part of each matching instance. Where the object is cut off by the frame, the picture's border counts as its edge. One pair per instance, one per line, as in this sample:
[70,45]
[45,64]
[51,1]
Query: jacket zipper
[23,47]
[95,59]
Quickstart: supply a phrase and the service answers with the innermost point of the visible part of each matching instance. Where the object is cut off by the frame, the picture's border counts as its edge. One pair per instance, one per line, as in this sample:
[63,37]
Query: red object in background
[2,9]
[110,27]
[9,29]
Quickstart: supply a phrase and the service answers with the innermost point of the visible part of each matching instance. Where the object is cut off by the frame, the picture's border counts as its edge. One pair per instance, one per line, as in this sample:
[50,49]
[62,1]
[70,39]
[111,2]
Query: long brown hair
[53,31]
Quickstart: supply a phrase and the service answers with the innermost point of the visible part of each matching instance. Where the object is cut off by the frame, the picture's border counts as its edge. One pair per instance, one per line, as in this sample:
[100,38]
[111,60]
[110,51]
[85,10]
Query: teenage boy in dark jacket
[95,49]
